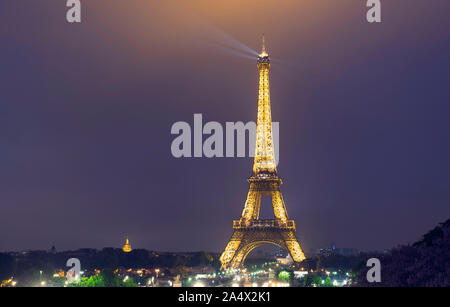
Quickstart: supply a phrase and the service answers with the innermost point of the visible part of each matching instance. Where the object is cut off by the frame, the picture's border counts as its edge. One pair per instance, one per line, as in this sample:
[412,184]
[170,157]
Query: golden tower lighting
[249,231]
[127,247]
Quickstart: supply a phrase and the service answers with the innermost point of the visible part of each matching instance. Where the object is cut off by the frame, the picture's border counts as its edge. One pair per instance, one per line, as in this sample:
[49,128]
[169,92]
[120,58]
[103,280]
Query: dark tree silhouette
[422,264]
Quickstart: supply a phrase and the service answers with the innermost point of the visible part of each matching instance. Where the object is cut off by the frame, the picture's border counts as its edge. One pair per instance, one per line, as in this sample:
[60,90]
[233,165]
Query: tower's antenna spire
[263,44]
[263,53]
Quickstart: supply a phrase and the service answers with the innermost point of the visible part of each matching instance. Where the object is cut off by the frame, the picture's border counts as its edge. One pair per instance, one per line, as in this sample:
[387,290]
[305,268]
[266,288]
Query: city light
[198,284]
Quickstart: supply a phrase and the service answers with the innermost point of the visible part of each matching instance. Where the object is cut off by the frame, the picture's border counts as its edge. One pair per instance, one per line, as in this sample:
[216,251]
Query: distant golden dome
[127,247]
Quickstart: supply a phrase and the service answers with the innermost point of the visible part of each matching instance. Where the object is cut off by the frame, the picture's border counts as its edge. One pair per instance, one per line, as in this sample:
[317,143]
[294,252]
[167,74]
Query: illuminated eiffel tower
[249,231]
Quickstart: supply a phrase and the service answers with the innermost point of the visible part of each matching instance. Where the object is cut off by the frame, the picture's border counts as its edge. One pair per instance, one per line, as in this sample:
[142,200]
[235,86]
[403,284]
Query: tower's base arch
[243,241]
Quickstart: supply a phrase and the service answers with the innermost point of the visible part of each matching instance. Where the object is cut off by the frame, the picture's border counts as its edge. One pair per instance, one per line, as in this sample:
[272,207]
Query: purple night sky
[86,111]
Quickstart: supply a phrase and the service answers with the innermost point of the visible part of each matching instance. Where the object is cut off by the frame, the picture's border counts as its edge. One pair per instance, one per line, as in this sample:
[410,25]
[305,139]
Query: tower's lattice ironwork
[249,231]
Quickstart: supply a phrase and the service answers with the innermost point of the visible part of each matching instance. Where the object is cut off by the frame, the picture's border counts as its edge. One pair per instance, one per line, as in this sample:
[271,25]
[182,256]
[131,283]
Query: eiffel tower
[249,231]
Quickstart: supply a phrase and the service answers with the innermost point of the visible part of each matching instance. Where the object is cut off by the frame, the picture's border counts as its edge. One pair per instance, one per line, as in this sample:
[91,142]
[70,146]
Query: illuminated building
[284,260]
[176,282]
[127,247]
[249,231]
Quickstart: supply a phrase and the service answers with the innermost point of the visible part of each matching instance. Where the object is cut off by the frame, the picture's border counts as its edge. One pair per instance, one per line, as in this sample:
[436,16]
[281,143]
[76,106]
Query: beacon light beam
[218,36]
[229,51]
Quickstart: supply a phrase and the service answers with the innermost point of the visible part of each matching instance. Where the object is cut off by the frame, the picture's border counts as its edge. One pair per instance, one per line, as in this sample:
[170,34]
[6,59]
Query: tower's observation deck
[266,224]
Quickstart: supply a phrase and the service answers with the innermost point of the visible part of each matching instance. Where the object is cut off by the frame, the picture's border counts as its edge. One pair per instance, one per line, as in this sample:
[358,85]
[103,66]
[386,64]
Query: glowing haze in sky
[86,111]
